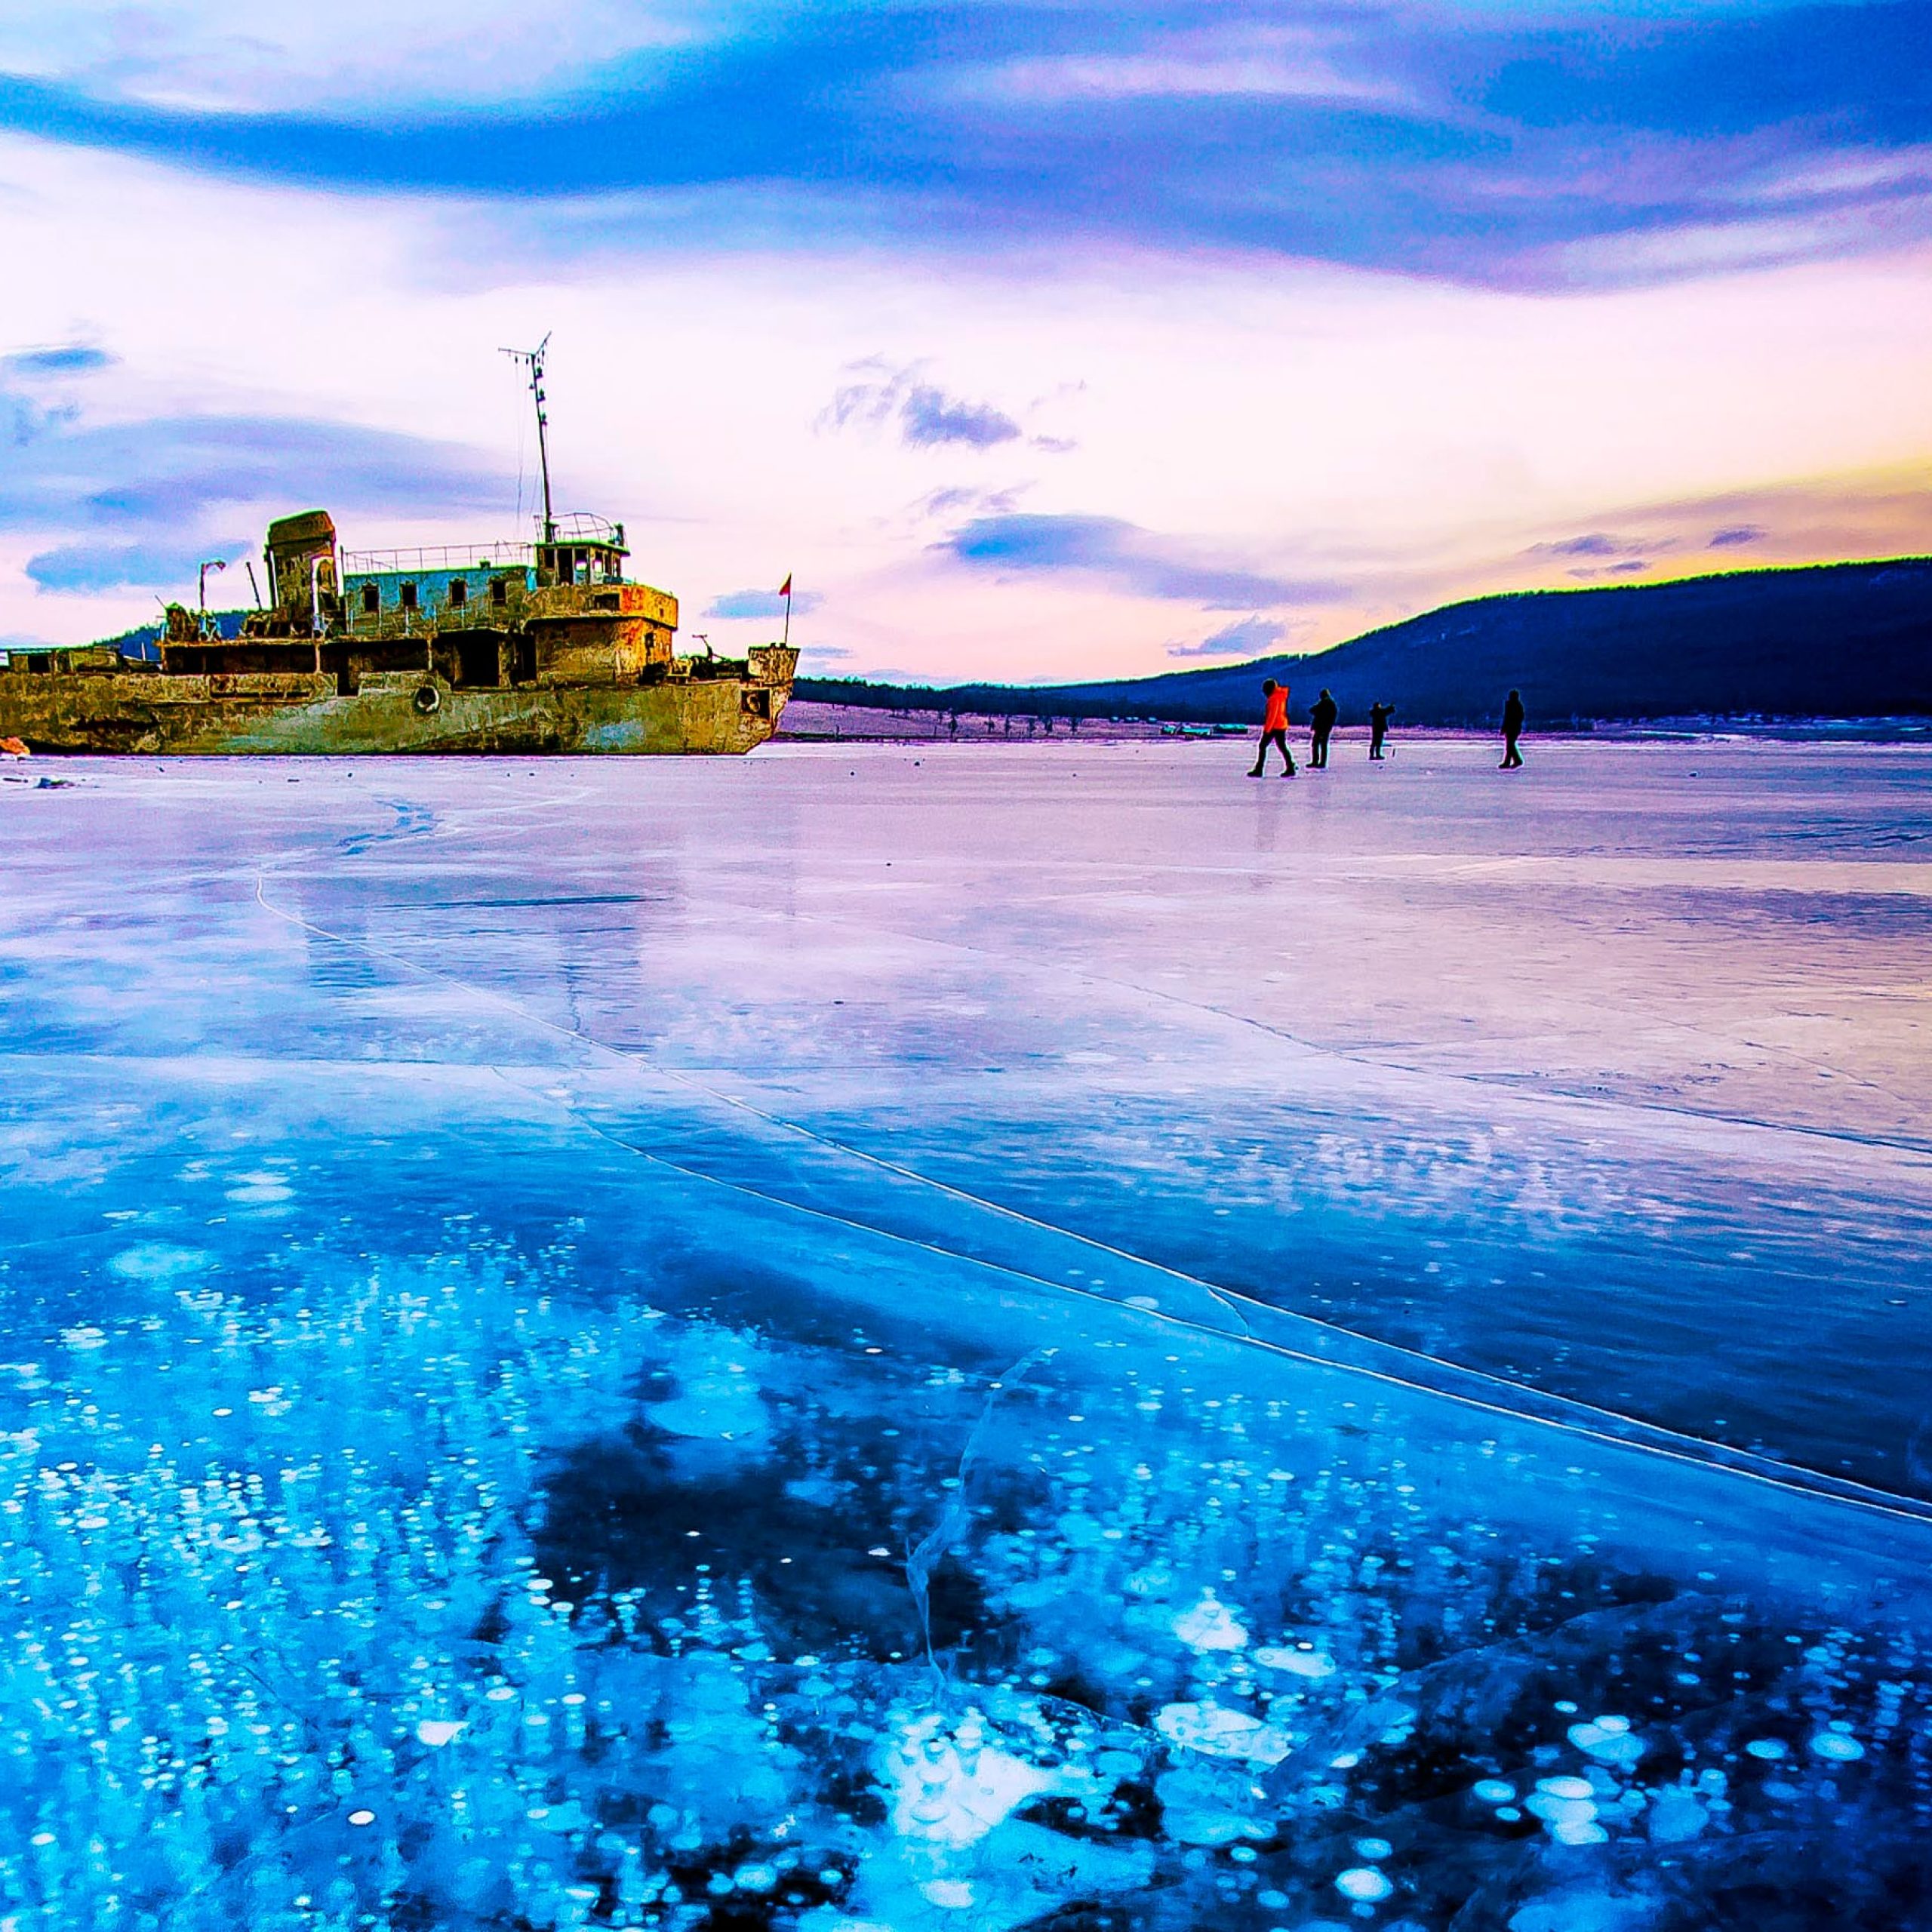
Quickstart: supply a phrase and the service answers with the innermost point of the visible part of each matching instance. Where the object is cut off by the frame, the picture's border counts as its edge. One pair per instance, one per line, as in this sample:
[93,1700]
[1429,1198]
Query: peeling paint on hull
[292,714]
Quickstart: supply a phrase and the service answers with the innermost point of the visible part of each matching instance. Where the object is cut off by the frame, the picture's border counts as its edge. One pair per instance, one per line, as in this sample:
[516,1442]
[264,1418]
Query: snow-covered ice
[968,1338]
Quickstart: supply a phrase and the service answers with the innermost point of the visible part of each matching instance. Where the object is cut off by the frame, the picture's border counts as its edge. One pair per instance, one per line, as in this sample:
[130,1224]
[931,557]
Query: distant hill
[1828,641]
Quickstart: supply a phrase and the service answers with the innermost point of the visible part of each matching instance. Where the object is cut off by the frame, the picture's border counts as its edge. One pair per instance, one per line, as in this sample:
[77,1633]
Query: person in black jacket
[1512,730]
[1378,715]
[1322,716]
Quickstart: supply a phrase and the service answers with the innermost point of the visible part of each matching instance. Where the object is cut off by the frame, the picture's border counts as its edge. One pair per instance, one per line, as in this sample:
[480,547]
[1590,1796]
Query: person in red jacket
[1274,729]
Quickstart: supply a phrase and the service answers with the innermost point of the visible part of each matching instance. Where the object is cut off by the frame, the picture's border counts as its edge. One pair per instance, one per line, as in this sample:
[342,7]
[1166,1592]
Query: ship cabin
[398,593]
[582,550]
[482,616]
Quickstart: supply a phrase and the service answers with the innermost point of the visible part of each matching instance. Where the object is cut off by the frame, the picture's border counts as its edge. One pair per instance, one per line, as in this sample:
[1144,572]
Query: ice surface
[969,1339]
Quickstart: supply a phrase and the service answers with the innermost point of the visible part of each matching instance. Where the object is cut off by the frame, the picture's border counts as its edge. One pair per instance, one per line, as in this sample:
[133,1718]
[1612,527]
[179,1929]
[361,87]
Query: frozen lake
[970,1337]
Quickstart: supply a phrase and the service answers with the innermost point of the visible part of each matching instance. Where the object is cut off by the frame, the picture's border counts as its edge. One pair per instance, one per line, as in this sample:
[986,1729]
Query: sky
[1034,340]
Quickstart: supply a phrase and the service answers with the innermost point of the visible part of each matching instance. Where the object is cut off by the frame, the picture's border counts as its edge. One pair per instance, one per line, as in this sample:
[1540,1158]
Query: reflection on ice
[496,1489]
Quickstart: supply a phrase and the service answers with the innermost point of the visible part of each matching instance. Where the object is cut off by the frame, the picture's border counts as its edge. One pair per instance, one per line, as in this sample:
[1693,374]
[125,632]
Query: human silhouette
[1512,730]
[1274,729]
[1322,716]
[1378,715]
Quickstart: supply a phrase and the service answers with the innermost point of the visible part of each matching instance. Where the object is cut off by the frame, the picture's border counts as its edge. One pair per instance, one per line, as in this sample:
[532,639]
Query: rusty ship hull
[282,712]
[503,649]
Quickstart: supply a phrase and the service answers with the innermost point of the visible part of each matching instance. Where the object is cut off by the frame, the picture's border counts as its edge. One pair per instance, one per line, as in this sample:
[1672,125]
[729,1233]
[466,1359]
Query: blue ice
[582,1353]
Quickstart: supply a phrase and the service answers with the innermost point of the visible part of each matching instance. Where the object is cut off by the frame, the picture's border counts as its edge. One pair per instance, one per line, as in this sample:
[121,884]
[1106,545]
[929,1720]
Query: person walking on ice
[1322,716]
[1512,730]
[1378,715]
[1274,729]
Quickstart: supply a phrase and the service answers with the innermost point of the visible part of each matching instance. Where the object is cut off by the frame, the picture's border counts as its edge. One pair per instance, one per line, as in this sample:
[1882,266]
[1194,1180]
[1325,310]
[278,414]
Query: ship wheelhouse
[581,550]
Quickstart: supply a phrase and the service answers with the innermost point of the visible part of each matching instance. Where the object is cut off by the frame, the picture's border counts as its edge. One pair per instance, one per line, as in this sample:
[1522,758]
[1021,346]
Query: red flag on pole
[785,588]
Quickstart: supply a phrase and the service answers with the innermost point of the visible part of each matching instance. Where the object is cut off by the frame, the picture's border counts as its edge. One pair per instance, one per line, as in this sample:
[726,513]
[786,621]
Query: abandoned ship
[517,647]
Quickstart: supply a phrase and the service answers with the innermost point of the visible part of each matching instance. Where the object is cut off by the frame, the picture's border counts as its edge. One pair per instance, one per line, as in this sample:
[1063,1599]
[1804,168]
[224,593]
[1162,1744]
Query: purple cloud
[1142,563]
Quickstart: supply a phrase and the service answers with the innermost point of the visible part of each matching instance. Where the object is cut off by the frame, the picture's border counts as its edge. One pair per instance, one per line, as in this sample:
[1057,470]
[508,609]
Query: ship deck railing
[445,557]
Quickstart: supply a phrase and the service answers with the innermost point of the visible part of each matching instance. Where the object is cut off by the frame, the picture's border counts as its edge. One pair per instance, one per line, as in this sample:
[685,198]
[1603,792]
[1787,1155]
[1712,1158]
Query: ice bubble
[1578,1831]
[1555,1811]
[259,1190]
[1566,1787]
[361,1817]
[1210,1626]
[1566,1705]
[1373,1850]
[83,1338]
[157,1261]
[936,1796]
[1494,1791]
[1598,1739]
[1770,1748]
[1217,1732]
[436,1732]
[1296,1662]
[949,1894]
[1837,1746]
[1363,1882]
[1194,1810]
[754,1878]
[1675,1816]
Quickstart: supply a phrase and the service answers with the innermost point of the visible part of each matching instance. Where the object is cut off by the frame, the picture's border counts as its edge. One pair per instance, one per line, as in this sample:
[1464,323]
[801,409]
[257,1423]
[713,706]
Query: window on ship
[372,600]
[500,591]
[458,593]
[406,596]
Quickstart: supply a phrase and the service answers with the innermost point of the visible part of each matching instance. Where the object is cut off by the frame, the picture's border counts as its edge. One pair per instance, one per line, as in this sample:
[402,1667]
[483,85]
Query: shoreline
[809,720]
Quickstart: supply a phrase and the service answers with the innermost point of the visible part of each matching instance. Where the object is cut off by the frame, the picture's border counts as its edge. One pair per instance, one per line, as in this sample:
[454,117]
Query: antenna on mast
[533,360]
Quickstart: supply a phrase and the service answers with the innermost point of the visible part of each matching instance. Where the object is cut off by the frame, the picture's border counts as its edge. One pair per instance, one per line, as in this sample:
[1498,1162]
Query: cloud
[760,604]
[1596,544]
[92,567]
[930,417]
[1247,637]
[927,416]
[1125,557]
[1735,536]
[74,359]
[165,469]
[1542,144]
[952,500]
[124,499]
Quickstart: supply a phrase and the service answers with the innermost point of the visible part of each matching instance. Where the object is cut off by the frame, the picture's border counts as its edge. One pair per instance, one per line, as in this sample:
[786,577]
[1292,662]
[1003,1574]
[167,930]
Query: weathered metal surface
[149,711]
[562,655]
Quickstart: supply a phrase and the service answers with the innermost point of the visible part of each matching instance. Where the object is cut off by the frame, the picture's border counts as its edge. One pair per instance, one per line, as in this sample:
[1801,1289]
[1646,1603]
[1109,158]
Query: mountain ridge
[1820,640]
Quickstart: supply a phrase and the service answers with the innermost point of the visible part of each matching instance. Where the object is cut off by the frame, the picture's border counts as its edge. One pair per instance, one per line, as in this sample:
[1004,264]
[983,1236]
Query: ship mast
[533,360]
